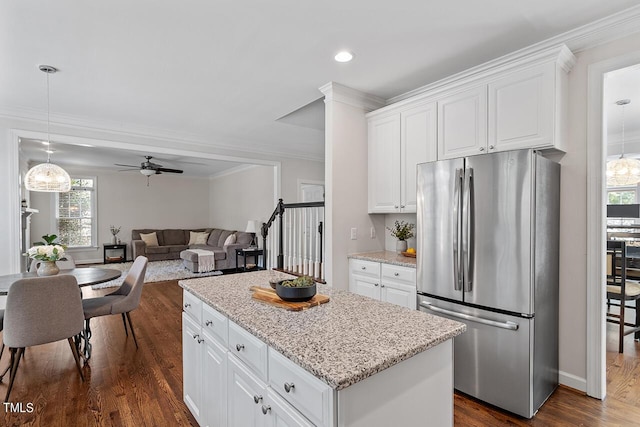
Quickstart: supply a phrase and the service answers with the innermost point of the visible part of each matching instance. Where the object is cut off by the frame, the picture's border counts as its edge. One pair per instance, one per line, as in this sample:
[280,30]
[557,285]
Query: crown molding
[233,171]
[333,91]
[122,132]
[585,37]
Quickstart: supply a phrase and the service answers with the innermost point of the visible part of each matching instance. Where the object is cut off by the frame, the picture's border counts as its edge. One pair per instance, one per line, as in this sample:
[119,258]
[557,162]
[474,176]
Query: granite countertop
[386,257]
[341,342]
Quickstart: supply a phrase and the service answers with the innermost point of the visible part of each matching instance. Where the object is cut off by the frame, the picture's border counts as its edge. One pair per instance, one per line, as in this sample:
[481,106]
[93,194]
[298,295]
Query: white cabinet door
[418,130]
[214,383]
[192,366]
[281,414]
[246,396]
[365,286]
[399,294]
[384,164]
[462,123]
[522,109]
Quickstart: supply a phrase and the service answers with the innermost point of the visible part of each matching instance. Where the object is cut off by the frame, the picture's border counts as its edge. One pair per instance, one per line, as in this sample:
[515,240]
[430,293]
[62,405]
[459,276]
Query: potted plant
[47,252]
[402,231]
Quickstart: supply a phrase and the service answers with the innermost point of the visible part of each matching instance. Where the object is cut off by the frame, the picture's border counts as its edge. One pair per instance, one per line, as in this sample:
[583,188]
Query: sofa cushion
[218,253]
[157,250]
[173,237]
[243,238]
[223,238]
[177,248]
[198,238]
[214,236]
[230,240]
[151,239]
[135,234]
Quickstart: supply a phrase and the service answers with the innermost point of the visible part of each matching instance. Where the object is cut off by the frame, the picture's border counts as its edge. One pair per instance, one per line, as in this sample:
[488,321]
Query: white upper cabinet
[418,133]
[522,109]
[397,143]
[462,123]
[384,164]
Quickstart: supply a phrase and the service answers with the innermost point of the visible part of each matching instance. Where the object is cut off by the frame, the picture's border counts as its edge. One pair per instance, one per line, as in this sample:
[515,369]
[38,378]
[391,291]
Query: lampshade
[47,177]
[147,172]
[623,171]
[251,226]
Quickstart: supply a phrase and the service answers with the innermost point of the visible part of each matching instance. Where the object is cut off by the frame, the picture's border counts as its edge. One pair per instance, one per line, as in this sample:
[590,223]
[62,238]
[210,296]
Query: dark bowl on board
[295,294]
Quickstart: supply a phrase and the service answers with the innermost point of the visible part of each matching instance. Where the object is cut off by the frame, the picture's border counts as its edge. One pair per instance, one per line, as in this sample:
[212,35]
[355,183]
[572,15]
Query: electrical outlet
[354,234]
[373,232]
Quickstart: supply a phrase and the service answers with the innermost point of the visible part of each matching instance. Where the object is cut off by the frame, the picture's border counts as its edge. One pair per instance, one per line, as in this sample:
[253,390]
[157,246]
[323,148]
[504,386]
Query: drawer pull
[491,147]
[208,323]
[289,386]
[195,336]
[382,286]
[396,274]
[363,267]
[481,148]
[187,305]
[266,409]
[200,340]
[239,347]
[375,284]
[257,399]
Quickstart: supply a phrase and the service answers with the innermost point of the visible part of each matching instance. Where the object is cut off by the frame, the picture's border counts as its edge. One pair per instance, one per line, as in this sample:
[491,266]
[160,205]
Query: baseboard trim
[573,381]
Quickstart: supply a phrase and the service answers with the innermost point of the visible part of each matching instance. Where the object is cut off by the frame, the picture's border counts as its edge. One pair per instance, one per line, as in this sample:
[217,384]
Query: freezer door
[439,192]
[493,358]
[497,229]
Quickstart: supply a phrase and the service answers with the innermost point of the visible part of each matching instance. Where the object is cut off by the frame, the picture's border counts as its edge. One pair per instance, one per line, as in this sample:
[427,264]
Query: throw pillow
[150,239]
[198,238]
[230,240]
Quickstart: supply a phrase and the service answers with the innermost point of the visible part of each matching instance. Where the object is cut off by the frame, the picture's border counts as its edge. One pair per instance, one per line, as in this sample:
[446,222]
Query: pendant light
[47,177]
[623,171]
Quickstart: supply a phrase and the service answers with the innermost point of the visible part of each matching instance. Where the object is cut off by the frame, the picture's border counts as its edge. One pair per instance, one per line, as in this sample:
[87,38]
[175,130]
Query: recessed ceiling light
[344,56]
[45,142]
[49,151]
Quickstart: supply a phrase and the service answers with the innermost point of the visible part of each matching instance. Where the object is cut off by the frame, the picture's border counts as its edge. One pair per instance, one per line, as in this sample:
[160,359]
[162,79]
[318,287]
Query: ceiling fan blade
[169,170]
[127,166]
[128,170]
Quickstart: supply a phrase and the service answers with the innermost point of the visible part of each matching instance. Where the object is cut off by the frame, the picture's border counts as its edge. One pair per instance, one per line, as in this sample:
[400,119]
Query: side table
[249,253]
[114,253]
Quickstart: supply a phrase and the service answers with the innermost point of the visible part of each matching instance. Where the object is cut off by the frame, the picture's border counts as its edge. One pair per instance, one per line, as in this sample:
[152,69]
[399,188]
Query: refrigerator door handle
[457,277]
[504,325]
[468,231]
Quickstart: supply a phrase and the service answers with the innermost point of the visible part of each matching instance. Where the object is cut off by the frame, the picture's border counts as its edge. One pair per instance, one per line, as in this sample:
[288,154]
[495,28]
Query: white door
[191,365]
[418,130]
[311,192]
[399,294]
[246,396]
[367,286]
[214,385]
[462,123]
[384,164]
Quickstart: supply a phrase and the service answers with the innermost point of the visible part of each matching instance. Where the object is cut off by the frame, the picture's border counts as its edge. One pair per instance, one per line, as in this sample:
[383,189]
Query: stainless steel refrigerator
[488,256]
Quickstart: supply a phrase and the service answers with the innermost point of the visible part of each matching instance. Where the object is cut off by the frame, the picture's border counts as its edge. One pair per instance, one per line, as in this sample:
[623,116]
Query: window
[621,196]
[76,214]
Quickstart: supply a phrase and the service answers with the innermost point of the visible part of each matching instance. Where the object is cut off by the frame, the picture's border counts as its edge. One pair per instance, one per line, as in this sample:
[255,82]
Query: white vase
[114,240]
[401,246]
[48,268]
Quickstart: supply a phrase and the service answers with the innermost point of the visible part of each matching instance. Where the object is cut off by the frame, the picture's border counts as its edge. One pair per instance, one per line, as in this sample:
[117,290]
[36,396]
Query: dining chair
[66,264]
[123,301]
[620,289]
[41,310]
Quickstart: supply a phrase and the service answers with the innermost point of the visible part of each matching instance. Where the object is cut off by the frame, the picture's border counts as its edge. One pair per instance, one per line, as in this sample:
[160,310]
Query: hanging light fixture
[47,177]
[623,171]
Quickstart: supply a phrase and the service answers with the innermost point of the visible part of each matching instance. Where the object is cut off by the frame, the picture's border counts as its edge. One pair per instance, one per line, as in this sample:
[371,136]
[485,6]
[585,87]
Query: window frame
[94,210]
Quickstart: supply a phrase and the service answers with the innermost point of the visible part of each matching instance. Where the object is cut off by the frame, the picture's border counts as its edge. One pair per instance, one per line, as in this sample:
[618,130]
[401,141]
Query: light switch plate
[354,233]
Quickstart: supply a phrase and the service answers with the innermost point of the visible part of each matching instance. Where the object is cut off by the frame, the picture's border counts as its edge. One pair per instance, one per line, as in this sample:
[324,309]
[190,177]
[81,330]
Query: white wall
[235,198]
[170,201]
[295,170]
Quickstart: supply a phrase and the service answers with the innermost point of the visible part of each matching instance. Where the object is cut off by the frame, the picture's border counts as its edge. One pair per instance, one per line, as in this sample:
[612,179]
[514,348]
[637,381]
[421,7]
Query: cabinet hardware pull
[239,347]
[382,286]
[266,409]
[289,386]
[364,268]
[187,305]
[395,206]
[375,284]
[396,274]
[208,322]
[195,336]
[257,398]
[402,206]
[491,147]
[481,148]
[200,340]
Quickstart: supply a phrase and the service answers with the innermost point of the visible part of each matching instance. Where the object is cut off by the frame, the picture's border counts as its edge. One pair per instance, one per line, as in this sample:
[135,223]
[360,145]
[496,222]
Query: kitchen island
[351,362]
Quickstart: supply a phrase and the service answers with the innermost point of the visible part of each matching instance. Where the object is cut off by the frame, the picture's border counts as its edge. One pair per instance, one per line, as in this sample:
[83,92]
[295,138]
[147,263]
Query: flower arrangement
[402,230]
[114,230]
[48,250]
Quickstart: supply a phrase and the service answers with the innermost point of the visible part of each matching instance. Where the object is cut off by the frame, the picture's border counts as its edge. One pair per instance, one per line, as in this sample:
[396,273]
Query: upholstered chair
[41,310]
[124,300]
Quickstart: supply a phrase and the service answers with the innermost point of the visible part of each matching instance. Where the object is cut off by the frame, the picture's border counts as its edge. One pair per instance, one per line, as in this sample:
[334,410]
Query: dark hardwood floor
[129,387]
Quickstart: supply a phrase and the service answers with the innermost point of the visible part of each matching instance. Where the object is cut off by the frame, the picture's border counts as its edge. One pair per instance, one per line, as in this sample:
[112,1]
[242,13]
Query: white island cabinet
[250,364]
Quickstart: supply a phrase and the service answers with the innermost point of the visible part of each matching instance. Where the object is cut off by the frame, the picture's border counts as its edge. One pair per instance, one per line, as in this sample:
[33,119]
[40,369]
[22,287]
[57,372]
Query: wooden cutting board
[269,296]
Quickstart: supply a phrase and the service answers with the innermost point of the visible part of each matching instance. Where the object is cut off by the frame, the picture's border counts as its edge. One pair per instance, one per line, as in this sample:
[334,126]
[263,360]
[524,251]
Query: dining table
[86,276]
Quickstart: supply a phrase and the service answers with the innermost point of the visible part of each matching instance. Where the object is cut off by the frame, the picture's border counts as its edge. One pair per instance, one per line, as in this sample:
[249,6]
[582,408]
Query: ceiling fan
[149,168]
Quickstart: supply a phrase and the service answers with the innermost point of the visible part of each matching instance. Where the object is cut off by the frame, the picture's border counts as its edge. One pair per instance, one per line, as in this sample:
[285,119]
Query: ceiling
[224,72]
[622,84]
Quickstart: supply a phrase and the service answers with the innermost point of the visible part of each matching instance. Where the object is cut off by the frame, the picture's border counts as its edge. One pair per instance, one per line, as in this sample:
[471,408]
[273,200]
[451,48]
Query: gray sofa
[173,241]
